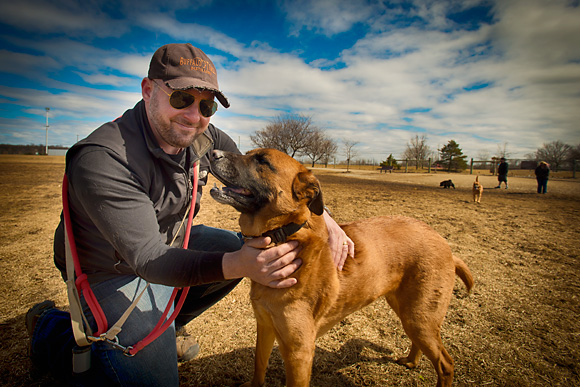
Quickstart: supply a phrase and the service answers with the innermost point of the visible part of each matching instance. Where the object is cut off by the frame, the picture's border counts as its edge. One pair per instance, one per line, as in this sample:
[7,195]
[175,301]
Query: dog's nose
[217,154]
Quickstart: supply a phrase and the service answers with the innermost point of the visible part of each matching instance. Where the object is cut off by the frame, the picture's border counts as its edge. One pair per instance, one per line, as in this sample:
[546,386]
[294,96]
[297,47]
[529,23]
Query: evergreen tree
[452,156]
[390,162]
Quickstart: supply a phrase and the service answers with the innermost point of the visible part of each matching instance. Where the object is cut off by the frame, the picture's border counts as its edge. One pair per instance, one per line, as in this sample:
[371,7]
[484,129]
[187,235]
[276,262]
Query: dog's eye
[261,159]
[262,162]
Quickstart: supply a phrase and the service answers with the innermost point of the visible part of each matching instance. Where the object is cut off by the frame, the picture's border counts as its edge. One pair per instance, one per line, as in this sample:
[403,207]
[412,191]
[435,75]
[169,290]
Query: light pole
[46,138]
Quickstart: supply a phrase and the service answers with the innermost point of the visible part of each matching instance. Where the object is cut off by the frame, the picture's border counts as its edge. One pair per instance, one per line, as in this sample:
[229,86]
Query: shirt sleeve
[107,199]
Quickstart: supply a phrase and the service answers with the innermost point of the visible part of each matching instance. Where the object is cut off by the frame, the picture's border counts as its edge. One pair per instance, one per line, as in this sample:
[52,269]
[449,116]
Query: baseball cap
[182,66]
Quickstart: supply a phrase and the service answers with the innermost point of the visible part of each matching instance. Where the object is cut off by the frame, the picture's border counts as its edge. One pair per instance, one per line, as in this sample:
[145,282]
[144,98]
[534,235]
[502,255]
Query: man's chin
[185,140]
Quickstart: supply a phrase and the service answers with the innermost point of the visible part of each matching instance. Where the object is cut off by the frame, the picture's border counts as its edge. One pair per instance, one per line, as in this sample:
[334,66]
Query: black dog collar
[279,235]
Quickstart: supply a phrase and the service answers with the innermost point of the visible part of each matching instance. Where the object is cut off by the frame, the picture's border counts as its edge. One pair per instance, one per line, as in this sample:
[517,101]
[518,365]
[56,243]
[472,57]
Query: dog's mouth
[241,198]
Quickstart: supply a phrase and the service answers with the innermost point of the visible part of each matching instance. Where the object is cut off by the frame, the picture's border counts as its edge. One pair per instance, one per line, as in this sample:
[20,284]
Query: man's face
[174,129]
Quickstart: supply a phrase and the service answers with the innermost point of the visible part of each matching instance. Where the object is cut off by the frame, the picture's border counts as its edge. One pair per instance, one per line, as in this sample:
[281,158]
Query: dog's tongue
[241,191]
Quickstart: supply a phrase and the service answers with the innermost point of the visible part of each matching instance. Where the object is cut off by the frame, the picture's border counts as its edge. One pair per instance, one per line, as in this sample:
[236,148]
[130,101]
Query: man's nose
[192,112]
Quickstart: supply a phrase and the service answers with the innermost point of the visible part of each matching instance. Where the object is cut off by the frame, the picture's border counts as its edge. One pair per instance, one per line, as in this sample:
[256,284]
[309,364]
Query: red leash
[84,287]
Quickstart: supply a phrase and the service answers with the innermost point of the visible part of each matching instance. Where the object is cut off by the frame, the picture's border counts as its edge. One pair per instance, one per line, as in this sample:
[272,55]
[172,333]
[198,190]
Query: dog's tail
[477,178]
[463,272]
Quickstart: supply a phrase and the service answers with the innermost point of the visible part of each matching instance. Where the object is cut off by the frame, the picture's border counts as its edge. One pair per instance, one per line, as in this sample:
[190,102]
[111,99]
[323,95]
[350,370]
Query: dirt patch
[518,327]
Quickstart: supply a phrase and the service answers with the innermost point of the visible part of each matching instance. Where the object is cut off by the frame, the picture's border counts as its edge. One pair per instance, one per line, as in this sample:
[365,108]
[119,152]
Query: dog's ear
[306,186]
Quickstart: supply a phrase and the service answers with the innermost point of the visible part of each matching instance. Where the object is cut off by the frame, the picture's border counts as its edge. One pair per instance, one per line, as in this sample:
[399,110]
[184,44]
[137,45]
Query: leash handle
[82,283]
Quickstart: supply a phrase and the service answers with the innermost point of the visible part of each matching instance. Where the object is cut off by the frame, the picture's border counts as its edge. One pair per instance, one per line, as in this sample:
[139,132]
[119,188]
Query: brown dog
[397,257]
[477,190]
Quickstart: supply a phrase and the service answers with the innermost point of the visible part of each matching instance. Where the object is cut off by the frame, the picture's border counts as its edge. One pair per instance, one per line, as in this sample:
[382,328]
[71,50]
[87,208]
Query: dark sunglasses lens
[180,99]
[207,107]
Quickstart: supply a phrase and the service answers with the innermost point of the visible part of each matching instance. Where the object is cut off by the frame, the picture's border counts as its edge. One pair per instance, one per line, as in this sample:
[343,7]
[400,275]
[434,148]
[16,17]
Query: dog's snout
[217,154]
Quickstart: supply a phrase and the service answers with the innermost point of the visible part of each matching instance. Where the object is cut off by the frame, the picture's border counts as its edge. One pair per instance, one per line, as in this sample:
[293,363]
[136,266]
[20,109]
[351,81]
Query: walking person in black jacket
[502,172]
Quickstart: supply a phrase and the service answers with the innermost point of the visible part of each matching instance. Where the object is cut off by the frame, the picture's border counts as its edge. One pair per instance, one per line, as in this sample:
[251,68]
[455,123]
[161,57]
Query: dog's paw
[405,361]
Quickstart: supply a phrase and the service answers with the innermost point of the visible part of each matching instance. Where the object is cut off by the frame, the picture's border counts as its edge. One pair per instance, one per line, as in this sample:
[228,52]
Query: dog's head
[266,186]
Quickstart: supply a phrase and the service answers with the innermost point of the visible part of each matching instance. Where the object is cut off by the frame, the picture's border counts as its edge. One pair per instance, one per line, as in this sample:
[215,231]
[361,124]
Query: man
[502,172]
[129,190]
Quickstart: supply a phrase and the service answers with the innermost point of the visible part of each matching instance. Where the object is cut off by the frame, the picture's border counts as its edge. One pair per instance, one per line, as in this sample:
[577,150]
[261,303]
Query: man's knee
[206,238]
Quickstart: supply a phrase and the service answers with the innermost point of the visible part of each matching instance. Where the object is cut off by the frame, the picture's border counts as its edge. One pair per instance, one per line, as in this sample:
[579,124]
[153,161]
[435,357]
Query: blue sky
[488,74]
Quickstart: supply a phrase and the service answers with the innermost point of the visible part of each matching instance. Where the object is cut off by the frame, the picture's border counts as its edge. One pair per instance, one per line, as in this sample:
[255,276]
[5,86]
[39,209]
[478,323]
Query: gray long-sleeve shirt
[127,198]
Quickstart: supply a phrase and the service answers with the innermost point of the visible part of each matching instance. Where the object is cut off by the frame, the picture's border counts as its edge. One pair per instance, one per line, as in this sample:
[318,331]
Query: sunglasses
[180,99]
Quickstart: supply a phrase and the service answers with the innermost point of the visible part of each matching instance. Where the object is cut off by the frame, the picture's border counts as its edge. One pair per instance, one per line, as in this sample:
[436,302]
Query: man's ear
[146,89]
[306,186]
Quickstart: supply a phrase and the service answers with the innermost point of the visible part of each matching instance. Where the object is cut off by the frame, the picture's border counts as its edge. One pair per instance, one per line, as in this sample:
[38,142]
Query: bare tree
[330,148]
[502,151]
[574,153]
[320,147]
[483,155]
[417,149]
[554,153]
[289,133]
[349,151]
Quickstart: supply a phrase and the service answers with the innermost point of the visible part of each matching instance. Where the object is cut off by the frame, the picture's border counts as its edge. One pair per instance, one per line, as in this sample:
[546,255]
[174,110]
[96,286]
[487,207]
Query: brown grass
[519,327]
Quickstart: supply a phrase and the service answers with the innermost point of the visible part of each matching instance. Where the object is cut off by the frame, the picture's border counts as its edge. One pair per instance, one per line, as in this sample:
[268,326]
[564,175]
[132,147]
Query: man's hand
[270,267]
[340,244]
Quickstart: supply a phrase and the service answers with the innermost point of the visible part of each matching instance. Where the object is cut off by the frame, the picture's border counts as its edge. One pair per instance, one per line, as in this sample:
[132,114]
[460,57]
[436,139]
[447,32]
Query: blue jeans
[542,185]
[156,364]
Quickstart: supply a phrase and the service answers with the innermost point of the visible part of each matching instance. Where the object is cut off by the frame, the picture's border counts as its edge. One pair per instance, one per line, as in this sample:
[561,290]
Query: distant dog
[399,258]
[477,190]
[447,184]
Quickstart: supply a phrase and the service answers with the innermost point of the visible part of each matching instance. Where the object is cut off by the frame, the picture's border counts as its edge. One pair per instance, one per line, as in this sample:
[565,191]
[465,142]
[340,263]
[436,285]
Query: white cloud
[77,102]
[328,17]
[103,79]
[538,32]
[69,17]
[26,65]
[526,63]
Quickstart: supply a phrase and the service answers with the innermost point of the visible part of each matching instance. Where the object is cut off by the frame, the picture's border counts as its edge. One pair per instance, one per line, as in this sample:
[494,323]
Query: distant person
[542,172]
[502,172]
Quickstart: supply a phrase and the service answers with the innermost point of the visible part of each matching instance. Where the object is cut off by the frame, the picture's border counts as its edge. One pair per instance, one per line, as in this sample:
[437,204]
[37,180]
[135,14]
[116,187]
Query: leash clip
[115,344]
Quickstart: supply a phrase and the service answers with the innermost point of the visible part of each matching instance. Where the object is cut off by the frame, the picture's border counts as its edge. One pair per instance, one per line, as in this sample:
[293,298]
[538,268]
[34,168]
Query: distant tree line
[296,135]
[556,153]
[8,149]
[31,149]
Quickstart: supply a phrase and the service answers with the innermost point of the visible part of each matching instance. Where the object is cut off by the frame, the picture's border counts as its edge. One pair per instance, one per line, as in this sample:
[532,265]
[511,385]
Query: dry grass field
[518,327]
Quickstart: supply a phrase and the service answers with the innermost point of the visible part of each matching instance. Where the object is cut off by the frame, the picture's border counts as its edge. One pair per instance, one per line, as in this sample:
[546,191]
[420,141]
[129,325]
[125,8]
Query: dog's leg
[412,359]
[264,345]
[298,364]
[424,331]
[297,350]
[428,341]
